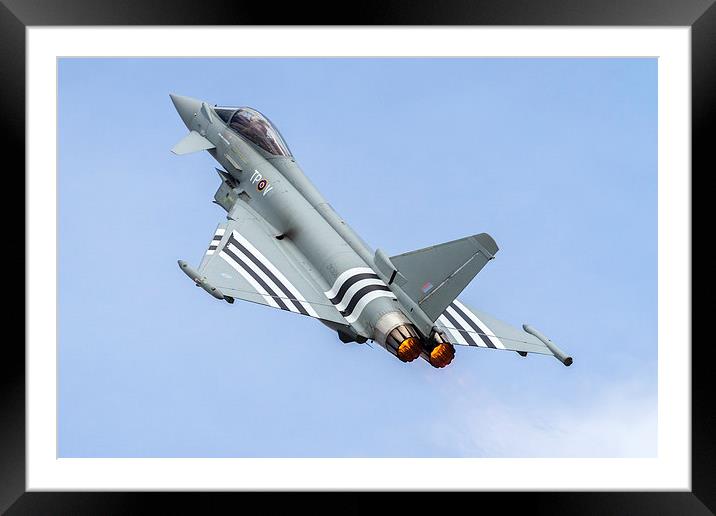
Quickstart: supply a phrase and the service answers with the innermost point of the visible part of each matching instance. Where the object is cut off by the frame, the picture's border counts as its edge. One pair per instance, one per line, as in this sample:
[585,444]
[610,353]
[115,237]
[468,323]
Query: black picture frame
[16,15]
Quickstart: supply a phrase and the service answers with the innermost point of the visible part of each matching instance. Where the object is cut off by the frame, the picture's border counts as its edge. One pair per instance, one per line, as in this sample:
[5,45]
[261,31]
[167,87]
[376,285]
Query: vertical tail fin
[436,275]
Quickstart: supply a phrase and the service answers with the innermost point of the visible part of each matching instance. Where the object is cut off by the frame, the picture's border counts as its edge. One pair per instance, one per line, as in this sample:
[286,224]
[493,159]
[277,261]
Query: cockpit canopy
[256,128]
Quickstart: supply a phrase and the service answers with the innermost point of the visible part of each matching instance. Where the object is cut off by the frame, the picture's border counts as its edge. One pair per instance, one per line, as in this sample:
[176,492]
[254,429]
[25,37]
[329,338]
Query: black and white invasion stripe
[466,328]
[215,241]
[354,289]
[263,276]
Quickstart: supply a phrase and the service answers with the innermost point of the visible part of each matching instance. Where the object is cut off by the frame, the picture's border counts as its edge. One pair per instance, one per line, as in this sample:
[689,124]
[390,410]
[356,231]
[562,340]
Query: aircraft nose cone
[186,107]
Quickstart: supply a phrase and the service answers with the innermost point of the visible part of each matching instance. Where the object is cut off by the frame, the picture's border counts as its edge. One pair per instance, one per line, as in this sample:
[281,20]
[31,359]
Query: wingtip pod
[558,353]
[201,282]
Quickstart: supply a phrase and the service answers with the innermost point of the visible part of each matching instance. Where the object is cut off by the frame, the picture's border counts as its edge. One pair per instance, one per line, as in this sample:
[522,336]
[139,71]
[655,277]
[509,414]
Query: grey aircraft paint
[284,246]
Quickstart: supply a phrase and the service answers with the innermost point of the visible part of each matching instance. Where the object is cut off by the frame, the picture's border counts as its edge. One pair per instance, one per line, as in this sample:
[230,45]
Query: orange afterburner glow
[442,355]
[409,349]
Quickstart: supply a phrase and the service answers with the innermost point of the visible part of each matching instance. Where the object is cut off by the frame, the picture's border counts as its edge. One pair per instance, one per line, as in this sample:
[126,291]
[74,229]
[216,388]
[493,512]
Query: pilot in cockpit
[254,127]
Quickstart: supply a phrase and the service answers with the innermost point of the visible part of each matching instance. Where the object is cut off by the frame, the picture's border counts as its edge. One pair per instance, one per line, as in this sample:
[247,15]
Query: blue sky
[555,158]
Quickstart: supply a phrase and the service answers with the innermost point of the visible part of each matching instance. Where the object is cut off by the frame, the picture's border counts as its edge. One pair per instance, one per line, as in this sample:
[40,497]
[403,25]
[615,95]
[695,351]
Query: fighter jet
[284,246]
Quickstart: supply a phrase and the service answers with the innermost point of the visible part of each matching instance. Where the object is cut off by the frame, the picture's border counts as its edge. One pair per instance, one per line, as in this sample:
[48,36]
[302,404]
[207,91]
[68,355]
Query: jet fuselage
[275,187]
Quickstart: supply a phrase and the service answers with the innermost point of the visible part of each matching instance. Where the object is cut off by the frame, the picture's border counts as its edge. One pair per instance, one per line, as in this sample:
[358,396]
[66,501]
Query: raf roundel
[261,185]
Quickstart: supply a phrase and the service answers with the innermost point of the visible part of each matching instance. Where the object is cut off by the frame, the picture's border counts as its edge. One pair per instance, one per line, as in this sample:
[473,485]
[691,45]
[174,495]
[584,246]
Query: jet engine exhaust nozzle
[409,349]
[404,343]
[442,355]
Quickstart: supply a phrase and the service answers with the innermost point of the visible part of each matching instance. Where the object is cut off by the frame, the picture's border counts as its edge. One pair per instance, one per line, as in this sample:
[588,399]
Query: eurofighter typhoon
[284,246]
